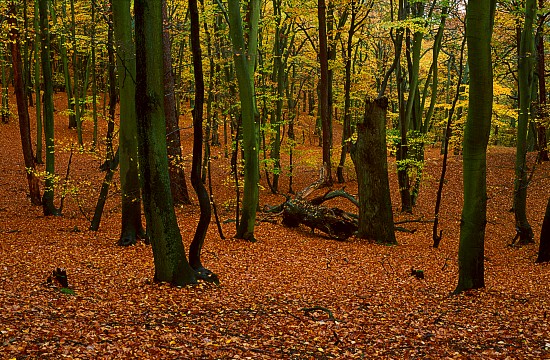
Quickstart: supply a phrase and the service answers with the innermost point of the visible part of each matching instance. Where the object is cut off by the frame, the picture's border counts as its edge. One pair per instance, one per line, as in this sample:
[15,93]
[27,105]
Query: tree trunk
[47,198]
[324,91]
[479,28]
[169,254]
[525,77]
[242,58]
[544,247]
[178,186]
[22,109]
[543,113]
[196,181]
[131,229]
[38,103]
[371,166]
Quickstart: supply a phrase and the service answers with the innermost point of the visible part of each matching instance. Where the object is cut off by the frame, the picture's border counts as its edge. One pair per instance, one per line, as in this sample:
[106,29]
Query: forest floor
[368,304]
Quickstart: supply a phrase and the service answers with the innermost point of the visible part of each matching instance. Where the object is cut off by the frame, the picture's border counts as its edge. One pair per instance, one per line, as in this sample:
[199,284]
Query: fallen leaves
[363,300]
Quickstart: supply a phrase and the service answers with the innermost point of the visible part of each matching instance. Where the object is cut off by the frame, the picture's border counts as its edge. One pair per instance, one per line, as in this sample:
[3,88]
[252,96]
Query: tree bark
[22,109]
[324,91]
[525,77]
[131,229]
[171,264]
[371,166]
[178,186]
[479,28]
[196,181]
[48,196]
[242,57]
[544,247]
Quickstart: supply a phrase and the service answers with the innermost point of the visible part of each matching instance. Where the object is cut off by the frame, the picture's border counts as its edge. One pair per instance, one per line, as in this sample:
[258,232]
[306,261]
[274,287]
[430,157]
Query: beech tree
[245,58]
[171,263]
[22,108]
[526,62]
[128,147]
[479,28]
[48,196]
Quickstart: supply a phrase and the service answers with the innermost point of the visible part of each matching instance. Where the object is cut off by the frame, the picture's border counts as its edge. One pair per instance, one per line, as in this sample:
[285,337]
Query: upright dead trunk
[22,109]
[371,166]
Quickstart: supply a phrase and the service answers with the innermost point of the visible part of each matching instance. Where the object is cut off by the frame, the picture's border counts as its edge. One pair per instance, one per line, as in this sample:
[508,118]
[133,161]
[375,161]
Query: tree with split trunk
[479,28]
[170,260]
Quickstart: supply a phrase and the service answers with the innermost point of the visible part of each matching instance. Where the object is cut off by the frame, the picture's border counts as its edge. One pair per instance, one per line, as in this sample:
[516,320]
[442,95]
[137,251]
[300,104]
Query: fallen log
[334,222]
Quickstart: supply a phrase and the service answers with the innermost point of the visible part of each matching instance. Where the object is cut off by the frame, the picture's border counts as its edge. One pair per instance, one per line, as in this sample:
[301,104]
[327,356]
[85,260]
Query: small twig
[66,182]
[414,221]
[318,308]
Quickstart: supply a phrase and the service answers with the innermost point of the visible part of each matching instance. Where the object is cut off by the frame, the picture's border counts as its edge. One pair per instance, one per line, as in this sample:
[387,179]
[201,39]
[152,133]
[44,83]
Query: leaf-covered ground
[367,303]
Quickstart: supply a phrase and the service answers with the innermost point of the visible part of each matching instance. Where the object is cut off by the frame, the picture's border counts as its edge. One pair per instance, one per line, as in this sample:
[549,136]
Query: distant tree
[171,263]
[22,108]
[129,174]
[479,28]
[48,197]
[324,105]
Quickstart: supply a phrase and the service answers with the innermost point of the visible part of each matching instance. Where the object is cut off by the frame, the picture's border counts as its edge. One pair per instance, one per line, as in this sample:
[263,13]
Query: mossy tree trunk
[132,229]
[48,197]
[171,263]
[479,29]
[245,58]
[371,166]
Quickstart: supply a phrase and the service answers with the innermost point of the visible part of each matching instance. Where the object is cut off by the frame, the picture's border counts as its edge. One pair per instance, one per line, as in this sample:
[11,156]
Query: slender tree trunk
[94,80]
[324,91]
[132,229]
[242,58]
[544,248]
[47,198]
[479,29]
[5,105]
[76,88]
[541,73]
[112,160]
[198,185]
[178,186]
[38,103]
[525,77]
[171,264]
[22,109]
[371,166]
